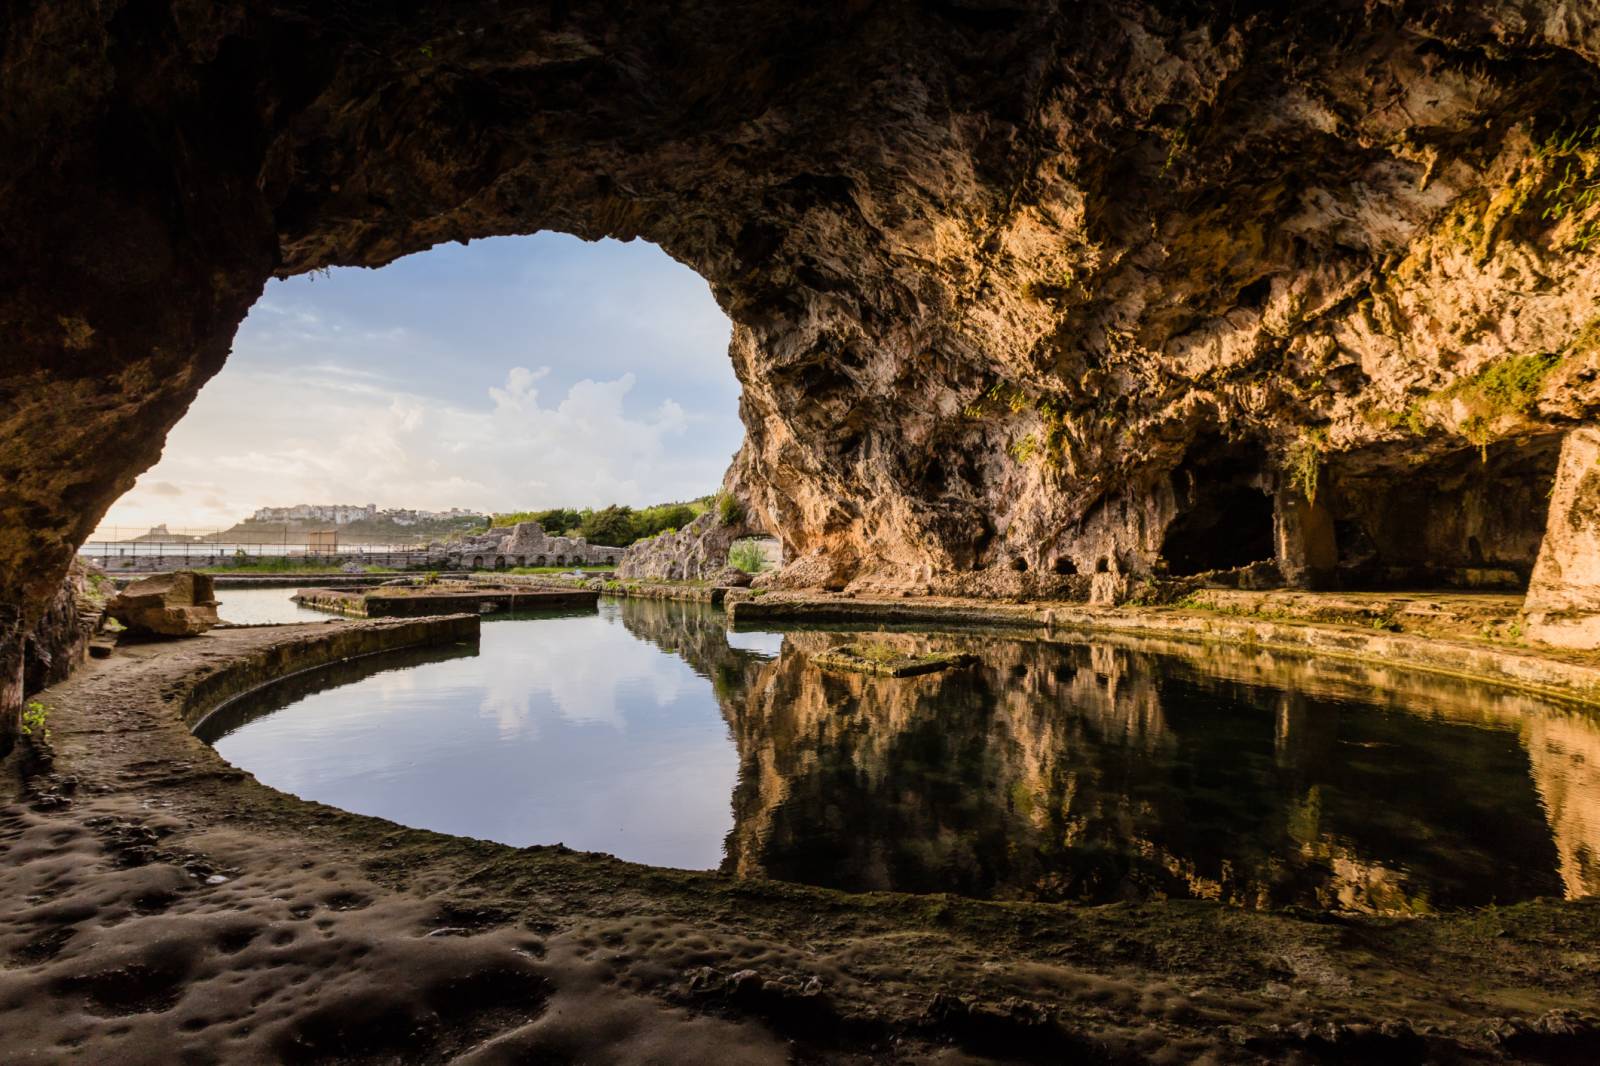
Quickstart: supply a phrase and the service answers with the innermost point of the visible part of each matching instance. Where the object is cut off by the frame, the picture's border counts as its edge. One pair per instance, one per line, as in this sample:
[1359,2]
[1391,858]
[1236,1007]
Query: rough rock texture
[697,552]
[59,640]
[527,544]
[1564,597]
[52,644]
[183,604]
[731,577]
[1016,287]
[165,907]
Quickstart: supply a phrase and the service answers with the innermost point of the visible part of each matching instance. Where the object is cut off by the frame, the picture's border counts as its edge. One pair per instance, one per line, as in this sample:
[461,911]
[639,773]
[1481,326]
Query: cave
[917,265]
[1224,528]
[1119,259]
[1224,517]
[1466,518]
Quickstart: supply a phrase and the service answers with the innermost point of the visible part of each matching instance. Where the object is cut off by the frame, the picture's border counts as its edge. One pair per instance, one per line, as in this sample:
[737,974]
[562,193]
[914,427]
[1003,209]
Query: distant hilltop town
[341,514]
[354,524]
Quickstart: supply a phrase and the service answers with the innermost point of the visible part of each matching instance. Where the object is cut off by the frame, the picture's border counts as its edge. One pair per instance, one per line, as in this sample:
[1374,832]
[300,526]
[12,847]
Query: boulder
[181,604]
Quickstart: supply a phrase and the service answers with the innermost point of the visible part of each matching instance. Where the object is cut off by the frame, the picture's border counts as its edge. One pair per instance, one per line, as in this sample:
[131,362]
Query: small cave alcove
[1471,518]
[1225,516]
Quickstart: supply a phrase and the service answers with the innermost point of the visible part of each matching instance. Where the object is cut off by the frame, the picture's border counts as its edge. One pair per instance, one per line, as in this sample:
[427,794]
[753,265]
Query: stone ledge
[254,668]
[1547,673]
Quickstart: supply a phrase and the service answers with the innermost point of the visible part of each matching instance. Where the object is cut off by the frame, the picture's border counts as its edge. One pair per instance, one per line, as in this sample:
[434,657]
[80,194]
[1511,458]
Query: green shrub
[616,525]
[1305,463]
[556,521]
[729,511]
[747,555]
[34,714]
[612,526]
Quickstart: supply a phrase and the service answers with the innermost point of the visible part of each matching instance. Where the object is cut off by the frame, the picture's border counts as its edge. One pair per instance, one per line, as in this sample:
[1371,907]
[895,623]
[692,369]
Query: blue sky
[511,373]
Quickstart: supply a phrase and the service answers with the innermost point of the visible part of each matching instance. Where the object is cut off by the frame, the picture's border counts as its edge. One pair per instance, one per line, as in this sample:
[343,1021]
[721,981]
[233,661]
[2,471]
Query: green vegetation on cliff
[616,526]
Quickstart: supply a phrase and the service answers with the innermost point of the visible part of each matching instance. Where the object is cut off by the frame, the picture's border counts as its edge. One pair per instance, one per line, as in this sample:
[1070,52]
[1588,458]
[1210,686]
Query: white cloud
[430,384]
[319,434]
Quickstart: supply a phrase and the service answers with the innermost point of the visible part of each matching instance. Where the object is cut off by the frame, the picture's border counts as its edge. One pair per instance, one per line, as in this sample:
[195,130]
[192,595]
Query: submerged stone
[884,660]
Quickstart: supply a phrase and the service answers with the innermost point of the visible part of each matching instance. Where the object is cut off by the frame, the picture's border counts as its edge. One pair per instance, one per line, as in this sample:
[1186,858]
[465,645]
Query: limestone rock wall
[50,647]
[59,640]
[696,552]
[1564,596]
[1002,276]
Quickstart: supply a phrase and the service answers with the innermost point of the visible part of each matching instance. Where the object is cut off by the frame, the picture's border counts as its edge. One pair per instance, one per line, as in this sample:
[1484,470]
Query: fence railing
[110,549]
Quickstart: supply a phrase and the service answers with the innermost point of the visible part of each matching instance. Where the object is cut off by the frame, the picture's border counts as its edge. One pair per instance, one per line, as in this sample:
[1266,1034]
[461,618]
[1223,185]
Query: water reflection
[1129,770]
[1117,769]
[258,606]
[562,728]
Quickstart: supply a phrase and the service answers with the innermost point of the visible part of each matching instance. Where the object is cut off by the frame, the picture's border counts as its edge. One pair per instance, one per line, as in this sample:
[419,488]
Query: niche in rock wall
[1469,518]
[1224,516]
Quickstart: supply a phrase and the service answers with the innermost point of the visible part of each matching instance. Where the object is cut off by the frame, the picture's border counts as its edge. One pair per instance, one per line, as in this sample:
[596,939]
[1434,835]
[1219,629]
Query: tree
[652,520]
[558,520]
[612,526]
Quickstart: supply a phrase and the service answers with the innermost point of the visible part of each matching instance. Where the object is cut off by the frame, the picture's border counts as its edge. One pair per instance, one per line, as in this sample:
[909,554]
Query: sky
[515,373]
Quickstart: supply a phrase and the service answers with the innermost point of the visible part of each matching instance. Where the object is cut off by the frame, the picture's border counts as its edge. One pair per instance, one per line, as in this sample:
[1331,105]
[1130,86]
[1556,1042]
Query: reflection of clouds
[533,670]
[766,644]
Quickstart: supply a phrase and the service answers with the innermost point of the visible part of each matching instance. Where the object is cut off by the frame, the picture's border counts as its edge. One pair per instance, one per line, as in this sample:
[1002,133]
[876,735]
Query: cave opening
[1224,517]
[508,374]
[1470,518]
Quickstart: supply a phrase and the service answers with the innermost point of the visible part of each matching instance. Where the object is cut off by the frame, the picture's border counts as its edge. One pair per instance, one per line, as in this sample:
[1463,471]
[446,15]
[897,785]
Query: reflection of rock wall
[1564,753]
[1116,769]
[964,781]
[1060,771]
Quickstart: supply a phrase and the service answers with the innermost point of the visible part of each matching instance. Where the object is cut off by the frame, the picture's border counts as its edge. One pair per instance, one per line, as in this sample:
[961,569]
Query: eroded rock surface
[697,552]
[1564,597]
[527,544]
[183,604]
[1017,288]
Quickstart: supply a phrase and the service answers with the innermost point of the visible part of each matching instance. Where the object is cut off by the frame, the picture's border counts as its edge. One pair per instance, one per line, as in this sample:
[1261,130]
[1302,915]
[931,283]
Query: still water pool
[258,606]
[1090,770]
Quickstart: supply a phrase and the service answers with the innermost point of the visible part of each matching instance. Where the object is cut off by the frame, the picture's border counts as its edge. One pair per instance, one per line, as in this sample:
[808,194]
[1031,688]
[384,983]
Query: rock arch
[970,307]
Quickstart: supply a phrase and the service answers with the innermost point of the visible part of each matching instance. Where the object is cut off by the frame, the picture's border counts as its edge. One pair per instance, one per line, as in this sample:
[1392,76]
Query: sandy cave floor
[163,906]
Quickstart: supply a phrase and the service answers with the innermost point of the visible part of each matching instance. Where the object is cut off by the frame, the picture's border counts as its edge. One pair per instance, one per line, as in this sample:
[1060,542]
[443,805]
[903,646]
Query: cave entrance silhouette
[509,374]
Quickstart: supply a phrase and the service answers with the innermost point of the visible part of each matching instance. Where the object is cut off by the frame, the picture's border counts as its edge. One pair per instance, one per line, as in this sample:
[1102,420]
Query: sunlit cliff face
[1095,772]
[1002,279]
